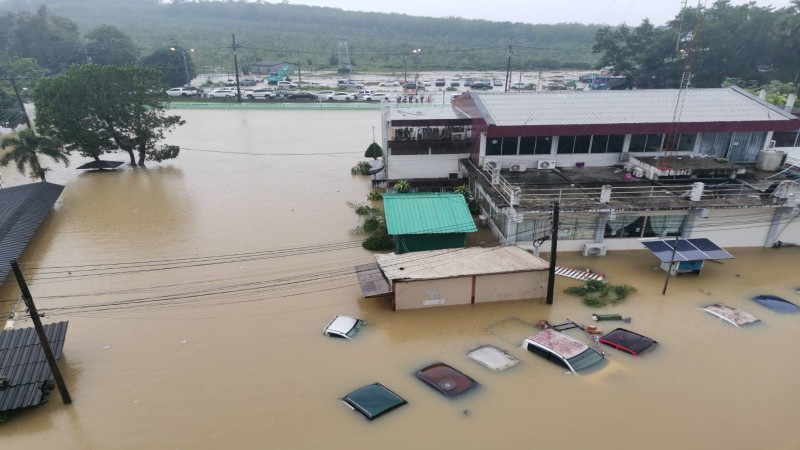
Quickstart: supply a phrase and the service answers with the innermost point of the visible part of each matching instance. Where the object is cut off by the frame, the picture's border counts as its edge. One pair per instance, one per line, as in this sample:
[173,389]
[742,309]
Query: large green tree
[174,63]
[108,46]
[788,28]
[53,41]
[95,109]
[10,114]
[26,147]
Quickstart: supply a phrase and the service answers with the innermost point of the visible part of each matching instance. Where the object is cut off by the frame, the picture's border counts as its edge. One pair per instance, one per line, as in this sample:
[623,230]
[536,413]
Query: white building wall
[423,166]
[745,227]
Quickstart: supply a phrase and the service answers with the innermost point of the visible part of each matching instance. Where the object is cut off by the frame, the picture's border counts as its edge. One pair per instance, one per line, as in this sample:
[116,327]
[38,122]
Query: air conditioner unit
[546,164]
[491,164]
[518,167]
[453,175]
[594,250]
[623,157]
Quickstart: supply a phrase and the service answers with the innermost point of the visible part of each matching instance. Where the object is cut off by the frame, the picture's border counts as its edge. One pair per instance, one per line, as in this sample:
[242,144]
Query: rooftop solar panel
[687,250]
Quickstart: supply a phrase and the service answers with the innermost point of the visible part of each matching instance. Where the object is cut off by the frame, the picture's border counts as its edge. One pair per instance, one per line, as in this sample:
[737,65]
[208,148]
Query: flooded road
[197,290]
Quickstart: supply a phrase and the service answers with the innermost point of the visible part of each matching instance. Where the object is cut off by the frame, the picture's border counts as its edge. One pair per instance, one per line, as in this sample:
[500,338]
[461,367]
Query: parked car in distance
[286,85]
[341,97]
[223,92]
[440,82]
[563,350]
[248,82]
[363,93]
[481,86]
[414,86]
[186,91]
[323,95]
[262,93]
[389,83]
[426,82]
[497,82]
[519,86]
[301,96]
[375,97]
[347,84]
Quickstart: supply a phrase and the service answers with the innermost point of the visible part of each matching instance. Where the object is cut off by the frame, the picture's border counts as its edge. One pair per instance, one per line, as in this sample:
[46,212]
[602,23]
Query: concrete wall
[735,227]
[423,166]
[510,286]
[458,291]
[431,293]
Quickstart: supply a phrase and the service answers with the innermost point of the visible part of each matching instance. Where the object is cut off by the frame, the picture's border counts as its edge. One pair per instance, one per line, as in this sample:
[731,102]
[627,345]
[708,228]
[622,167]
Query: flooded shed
[463,276]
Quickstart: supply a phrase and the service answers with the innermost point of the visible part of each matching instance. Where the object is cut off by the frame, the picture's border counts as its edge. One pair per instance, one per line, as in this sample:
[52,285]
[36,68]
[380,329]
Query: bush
[378,242]
[374,196]
[597,294]
[362,168]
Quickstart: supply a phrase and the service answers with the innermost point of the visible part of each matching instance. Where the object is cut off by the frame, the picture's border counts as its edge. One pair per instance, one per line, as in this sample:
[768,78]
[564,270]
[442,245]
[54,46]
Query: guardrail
[297,105]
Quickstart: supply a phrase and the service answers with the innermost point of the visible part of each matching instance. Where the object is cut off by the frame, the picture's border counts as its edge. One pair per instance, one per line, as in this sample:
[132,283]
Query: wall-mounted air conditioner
[623,157]
[491,164]
[594,250]
[518,167]
[546,164]
[453,175]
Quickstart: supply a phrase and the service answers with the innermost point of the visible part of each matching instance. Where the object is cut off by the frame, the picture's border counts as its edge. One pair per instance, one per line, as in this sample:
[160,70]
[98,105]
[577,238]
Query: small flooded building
[463,276]
[427,221]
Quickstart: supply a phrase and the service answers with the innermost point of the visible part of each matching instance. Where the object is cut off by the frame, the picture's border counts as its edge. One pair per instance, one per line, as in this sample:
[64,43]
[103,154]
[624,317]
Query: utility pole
[508,70]
[43,342]
[671,262]
[551,273]
[21,105]
[236,68]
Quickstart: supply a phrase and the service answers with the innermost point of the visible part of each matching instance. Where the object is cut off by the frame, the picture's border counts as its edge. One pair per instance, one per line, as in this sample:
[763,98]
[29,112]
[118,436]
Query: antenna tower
[343,55]
[688,53]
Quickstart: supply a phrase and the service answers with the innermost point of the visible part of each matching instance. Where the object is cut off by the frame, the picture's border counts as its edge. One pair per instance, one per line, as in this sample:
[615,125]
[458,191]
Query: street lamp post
[416,53]
[185,64]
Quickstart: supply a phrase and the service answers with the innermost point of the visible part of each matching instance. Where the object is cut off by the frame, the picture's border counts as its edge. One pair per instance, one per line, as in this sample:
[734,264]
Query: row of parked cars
[269,93]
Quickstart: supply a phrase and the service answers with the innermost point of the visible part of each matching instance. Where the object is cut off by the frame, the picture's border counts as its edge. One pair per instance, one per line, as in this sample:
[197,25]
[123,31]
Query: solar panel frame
[699,249]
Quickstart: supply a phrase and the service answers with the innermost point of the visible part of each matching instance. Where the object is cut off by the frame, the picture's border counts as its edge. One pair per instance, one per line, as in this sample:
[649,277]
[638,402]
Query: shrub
[378,242]
[362,168]
[597,294]
[374,196]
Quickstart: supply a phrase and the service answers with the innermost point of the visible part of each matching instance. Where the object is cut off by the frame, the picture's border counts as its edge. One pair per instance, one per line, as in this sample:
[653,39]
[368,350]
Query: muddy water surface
[197,290]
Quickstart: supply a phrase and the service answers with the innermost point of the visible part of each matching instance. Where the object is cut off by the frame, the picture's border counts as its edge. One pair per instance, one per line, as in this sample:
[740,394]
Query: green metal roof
[427,213]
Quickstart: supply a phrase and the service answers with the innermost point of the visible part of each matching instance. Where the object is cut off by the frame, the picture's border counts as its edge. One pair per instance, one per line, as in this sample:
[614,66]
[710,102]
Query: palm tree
[26,148]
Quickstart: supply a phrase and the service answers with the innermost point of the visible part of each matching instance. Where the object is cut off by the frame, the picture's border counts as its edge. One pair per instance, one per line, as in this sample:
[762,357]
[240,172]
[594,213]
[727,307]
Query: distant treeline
[310,35]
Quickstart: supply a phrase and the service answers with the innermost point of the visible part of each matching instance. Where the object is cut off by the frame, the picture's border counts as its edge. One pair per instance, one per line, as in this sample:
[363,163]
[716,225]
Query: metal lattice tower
[343,56]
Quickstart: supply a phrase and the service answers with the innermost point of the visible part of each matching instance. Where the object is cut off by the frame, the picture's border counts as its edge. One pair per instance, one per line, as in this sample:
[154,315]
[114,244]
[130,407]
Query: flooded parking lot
[197,291]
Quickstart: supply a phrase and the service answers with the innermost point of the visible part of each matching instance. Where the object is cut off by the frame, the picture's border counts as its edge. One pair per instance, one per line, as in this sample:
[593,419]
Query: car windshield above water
[563,350]
[343,327]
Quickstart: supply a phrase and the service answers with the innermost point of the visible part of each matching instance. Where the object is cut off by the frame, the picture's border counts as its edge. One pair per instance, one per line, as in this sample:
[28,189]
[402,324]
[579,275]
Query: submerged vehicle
[628,341]
[776,304]
[728,313]
[373,400]
[563,350]
[343,327]
[445,379]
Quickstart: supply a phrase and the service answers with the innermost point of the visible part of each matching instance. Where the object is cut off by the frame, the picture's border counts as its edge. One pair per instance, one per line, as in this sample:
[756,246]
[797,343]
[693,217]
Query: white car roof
[493,358]
[341,324]
[560,343]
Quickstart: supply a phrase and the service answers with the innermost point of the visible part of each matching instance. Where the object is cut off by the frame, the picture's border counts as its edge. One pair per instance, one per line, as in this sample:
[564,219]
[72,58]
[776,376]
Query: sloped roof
[22,210]
[427,213]
[452,263]
[624,107]
[23,363]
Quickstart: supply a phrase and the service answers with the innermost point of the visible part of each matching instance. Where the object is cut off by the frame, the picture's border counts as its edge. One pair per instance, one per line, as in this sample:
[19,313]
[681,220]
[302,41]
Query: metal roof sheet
[22,210]
[424,113]
[427,213]
[624,107]
[23,363]
[452,263]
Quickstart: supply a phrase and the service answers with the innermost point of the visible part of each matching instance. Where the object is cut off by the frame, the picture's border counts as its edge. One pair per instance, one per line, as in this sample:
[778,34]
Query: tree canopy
[95,109]
[53,41]
[108,46]
[174,63]
[723,41]
[25,149]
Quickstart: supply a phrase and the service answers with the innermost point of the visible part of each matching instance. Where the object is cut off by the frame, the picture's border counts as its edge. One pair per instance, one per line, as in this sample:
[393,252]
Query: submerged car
[493,358]
[445,379]
[776,304]
[343,327]
[373,400]
[628,341]
[563,350]
[730,314]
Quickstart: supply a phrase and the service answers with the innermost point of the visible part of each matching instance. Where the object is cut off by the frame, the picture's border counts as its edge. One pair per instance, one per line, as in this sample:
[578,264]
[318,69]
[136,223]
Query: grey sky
[611,12]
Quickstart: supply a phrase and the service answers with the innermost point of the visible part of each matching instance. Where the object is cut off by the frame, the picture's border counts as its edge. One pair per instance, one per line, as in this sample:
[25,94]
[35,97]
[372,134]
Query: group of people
[413,98]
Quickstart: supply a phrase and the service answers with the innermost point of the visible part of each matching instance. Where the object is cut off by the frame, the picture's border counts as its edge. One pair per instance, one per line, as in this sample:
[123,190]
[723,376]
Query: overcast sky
[611,12]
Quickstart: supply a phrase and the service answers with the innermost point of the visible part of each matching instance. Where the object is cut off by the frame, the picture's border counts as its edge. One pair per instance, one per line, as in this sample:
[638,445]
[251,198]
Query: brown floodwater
[197,290]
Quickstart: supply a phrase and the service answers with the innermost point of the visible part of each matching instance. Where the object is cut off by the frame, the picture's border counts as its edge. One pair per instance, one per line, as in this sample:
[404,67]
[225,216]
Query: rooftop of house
[730,104]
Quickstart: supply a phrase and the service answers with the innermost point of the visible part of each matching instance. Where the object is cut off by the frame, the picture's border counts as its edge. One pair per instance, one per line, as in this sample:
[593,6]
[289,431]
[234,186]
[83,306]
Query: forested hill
[311,35]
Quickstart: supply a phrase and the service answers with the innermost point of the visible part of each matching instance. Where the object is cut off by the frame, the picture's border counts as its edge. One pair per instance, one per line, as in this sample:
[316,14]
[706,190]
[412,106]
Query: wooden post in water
[37,324]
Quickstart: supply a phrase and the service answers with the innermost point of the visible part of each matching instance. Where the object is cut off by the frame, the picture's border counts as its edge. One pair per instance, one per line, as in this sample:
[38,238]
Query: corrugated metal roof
[624,107]
[428,113]
[460,262]
[23,363]
[427,213]
[22,210]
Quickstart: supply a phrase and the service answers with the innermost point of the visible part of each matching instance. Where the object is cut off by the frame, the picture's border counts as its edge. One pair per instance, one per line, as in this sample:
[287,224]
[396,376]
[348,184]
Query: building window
[646,142]
[539,145]
[565,144]
[644,226]
[599,144]
[582,144]
[615,143]
[509,146]
[686,142]
[494,146]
